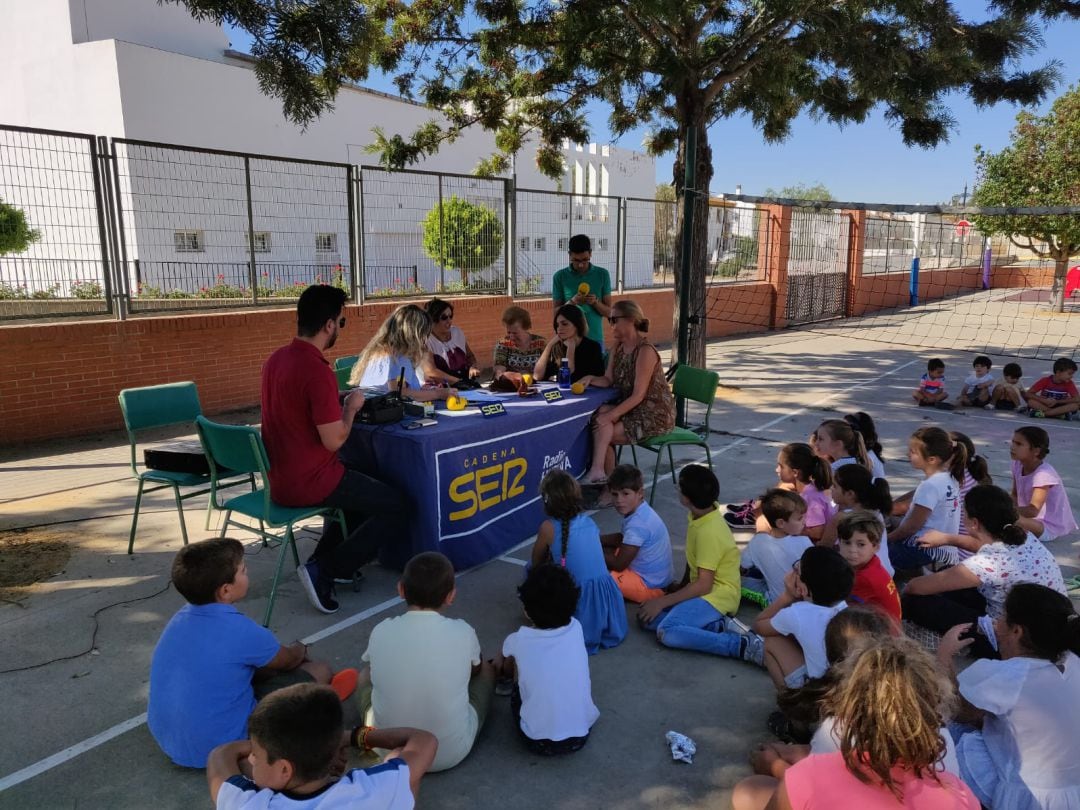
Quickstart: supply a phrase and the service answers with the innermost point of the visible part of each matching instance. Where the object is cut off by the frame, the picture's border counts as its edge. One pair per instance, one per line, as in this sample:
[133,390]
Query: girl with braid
[571,539]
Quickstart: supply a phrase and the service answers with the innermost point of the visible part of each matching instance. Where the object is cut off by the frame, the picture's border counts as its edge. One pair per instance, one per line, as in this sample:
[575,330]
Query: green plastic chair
[161,406]
[693,384]
[240,448]
[343,367]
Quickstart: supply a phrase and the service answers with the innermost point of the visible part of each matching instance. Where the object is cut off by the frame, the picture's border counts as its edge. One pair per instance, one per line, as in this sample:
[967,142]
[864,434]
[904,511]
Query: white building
[138,70]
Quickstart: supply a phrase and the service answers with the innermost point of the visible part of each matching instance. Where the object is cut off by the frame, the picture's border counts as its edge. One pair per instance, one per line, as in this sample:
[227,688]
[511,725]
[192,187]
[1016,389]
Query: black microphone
[401,382]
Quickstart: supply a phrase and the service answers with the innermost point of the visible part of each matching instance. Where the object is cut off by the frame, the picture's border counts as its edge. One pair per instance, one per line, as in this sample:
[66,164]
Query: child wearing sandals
[1037,488]
[552,695]
[936,502]
[1026,755]
[571,540]
[798,469]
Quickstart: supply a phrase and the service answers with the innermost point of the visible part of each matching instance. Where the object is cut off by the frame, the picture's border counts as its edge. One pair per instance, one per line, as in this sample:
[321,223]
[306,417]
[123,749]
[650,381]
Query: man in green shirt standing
[566,286]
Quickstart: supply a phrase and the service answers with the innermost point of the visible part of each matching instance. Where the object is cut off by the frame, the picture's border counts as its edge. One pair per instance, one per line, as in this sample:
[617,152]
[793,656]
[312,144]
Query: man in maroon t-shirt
[303,426]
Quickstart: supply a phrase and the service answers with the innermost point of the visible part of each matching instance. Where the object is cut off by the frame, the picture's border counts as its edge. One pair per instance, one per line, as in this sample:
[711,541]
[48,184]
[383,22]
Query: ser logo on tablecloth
[492,478]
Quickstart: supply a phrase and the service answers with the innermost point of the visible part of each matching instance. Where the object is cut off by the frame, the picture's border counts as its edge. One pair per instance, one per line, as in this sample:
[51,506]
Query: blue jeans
[696,625]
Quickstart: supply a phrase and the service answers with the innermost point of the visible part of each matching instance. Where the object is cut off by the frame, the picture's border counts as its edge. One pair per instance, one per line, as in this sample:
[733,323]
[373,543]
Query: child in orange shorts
[639,557]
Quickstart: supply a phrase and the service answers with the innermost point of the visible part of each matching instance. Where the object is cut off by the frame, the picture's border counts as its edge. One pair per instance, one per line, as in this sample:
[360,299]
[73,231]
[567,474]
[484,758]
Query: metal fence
[93,226]
[52,224]
[227,228]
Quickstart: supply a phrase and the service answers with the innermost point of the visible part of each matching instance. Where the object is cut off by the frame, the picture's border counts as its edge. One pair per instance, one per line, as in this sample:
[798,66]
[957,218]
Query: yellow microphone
[583,288]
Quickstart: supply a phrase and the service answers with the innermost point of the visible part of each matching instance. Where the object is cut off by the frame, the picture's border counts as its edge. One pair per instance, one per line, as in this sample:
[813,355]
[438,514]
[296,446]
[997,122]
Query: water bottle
[564,374]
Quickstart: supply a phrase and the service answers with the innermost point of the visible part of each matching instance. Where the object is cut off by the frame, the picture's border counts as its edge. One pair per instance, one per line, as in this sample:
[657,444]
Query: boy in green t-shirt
[594,300]
[694,614]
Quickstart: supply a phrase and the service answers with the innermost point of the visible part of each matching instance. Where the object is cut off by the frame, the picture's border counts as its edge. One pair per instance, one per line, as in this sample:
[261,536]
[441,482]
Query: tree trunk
[700,246]
[1057,287]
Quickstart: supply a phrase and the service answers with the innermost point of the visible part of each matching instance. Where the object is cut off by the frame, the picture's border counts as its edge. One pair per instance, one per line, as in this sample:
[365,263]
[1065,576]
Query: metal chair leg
[180,512]
[671,461]
[135,517]
[288,541]
[655,476]
[225,523]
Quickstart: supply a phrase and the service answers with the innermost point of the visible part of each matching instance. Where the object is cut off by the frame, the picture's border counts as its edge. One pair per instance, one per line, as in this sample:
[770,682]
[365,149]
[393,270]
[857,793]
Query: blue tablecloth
[474,481]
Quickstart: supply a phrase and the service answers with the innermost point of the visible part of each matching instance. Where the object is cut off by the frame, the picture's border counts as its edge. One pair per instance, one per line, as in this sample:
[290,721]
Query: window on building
[602,243]
[523,244]
[326,243]
[564,243]
[261,240]
[540,243]
[189,241]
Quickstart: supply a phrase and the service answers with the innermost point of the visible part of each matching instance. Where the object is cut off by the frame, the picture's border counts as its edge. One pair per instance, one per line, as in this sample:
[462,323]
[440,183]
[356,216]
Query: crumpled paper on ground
[682,747]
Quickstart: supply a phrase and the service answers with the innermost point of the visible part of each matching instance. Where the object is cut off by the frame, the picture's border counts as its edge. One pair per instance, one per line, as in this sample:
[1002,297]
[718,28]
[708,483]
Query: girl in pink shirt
[886,709]
[1037,488]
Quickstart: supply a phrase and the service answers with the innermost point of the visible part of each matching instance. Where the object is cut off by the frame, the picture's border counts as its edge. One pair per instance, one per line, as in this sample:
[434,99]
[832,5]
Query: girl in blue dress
[571,539]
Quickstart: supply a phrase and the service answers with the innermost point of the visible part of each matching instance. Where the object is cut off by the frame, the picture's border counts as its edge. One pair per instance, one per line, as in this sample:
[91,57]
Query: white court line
[68,754]
[61,757]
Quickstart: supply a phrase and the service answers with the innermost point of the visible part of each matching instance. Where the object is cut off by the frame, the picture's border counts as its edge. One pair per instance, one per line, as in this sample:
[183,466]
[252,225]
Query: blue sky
[866,162]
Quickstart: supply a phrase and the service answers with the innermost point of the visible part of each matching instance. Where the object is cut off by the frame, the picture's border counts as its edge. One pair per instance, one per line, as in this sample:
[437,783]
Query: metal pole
[361,265]
[620,248]
[987,260]
[253,275]
[350,190]
[442,248]
[913,288]
[689,181]
[510,233]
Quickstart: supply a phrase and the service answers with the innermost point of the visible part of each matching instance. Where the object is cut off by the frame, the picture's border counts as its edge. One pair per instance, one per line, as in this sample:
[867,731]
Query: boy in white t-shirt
[552,695]
[638,557]
[978,385]
[425,669]
[296,757]
[768,557]
[793,627]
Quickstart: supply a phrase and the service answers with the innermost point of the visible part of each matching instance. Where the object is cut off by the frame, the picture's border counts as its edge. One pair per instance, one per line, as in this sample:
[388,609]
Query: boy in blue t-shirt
[638,557]
[211,658]
[297,754]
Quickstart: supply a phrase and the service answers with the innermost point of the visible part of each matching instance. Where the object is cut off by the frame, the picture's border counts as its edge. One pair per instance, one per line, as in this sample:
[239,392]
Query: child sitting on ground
[793,627]
[689,617]
[425,669]
[1003,555]
[978,384]
[931,390]
[860,534]
[572,540]
[768,556]
[836,441]
[212,663]
[854,488]
[1008,395]
[800,470]
[552,698]
[639,557]
[297,751]
[936,502]
[863,424]
[1037,488]
[1055,395]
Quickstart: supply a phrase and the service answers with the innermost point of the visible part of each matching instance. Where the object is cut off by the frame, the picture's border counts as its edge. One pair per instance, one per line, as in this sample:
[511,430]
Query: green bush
[463,236]
[16,235]
[86,290]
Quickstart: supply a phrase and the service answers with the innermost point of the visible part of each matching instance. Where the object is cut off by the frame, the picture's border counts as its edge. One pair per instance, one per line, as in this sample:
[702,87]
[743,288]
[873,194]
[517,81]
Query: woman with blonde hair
[646,407]
[887,708]
[399,346]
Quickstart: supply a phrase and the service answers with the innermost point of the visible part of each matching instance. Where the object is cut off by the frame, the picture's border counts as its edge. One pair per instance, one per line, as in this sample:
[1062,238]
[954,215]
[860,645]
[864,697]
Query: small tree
[16,235]
[463,236]
[1041,167]
[801,191]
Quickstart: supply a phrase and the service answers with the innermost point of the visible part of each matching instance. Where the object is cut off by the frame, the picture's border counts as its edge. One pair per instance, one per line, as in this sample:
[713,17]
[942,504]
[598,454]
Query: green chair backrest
[348,361]
[159,405]
[696,384]
[343,375]
[239,448]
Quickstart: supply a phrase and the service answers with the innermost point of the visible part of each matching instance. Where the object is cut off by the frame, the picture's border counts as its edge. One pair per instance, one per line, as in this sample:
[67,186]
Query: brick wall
[62,379]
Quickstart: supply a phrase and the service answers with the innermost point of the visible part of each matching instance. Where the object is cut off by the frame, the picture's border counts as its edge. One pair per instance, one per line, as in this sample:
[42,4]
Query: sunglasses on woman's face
[614,319]
[446,316]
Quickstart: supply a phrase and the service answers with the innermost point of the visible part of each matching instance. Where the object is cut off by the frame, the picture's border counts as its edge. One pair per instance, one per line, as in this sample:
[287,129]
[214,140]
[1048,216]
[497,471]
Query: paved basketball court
[74,733]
